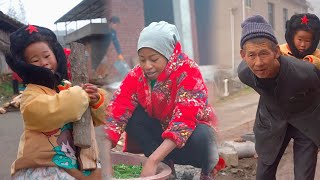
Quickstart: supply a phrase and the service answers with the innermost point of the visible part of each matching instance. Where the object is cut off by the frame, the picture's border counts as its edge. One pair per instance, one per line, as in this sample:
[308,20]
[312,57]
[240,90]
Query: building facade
[210,31]
[231,13]
[7,26]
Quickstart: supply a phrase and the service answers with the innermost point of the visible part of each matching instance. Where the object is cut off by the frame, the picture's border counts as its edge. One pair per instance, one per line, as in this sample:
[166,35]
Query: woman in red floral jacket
[162,105]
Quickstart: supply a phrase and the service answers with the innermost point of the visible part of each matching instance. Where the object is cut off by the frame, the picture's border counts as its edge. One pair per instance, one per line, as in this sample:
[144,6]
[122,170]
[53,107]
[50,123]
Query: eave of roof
[85,10]
[9,24]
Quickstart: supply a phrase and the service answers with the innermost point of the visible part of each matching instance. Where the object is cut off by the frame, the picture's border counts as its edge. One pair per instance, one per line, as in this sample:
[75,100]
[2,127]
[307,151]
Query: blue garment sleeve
[115,41]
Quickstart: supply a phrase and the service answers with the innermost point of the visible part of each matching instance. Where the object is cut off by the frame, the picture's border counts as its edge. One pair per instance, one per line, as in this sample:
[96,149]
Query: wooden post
[79,71]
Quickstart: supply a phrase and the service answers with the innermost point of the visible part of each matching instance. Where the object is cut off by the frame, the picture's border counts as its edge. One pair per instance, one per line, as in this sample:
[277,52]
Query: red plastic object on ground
[221,164]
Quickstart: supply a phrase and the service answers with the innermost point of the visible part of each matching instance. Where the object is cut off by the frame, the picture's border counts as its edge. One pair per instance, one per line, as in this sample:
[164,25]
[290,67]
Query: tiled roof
[85,10]
[8,24]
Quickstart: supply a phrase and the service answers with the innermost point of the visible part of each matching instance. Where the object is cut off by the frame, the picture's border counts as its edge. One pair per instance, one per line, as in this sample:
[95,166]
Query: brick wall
[131,16]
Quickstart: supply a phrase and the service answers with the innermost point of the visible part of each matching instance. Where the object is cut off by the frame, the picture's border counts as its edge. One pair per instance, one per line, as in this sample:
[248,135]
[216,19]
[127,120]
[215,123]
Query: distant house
[189,16]
[7,26]
[231,13]
[210,31]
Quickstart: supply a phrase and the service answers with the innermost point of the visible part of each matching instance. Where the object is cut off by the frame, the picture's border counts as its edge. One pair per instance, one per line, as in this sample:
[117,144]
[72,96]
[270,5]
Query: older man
[289,101]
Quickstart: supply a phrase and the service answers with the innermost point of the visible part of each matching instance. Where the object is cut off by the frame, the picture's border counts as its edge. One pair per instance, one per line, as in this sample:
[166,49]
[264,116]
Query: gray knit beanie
[255,27]
[160,36]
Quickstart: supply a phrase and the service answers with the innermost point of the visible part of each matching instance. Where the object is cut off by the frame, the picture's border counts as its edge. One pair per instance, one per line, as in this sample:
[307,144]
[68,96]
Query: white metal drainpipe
[232,38]
[243,10]
[186,27]
[226,91]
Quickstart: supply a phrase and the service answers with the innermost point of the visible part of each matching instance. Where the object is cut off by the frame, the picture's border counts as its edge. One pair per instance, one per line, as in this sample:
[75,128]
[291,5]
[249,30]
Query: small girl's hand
[92,91]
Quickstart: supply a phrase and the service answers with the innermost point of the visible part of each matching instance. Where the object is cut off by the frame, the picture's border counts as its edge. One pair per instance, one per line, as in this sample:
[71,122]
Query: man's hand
[120,57]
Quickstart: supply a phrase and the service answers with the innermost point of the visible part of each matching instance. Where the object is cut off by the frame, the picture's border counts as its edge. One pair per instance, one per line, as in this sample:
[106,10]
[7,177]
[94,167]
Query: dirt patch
[245,171]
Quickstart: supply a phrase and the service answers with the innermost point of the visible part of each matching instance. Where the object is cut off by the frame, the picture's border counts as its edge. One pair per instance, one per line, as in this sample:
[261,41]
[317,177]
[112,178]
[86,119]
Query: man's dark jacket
[295,100]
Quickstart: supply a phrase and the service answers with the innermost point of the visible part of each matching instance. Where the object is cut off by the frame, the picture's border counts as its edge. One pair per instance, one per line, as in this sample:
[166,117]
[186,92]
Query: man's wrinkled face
[261,58]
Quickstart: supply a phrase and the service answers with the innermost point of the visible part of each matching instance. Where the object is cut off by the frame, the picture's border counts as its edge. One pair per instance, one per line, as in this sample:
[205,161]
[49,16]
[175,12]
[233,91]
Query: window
[271,14]
[248,3]
[285,17]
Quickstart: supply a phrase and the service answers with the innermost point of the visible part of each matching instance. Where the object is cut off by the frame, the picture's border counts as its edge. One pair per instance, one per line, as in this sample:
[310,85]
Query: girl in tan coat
[49,106]
[302,36]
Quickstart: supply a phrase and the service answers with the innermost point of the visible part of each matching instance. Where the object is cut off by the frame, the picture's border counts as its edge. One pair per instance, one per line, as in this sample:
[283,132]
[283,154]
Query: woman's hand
[150,167]
[92,91]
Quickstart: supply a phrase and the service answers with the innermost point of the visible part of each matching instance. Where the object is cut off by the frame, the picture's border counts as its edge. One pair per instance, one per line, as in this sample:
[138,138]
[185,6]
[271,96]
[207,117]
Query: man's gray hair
[260,40]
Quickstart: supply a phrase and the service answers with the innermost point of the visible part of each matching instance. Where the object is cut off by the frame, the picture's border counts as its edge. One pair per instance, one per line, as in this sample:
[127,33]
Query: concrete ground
[236,115]
[236,118]
[11,127]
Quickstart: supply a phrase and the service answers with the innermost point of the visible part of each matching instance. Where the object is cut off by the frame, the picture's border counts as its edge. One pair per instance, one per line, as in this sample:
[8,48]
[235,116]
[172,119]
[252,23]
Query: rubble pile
[12,105]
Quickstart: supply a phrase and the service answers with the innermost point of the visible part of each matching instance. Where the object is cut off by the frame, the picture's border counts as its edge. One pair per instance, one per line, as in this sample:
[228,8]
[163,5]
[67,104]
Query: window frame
[271,14]
[285,13]
[248,3]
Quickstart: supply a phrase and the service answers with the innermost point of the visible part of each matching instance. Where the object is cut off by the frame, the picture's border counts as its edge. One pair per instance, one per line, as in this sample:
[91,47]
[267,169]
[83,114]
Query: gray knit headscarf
[255,27]
[160,36]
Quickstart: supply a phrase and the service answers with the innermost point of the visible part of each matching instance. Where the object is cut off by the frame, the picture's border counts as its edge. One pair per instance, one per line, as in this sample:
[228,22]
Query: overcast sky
[42,12]
[316,5]
[46,12]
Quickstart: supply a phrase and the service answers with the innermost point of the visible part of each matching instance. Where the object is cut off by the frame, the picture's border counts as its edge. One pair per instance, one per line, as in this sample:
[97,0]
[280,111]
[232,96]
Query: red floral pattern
[179,100]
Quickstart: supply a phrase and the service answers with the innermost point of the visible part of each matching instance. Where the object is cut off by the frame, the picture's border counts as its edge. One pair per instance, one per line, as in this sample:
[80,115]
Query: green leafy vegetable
[123,171]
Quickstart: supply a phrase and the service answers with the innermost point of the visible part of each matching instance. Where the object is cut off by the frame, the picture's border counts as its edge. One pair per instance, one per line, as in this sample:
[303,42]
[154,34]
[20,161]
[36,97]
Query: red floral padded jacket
[179,99]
